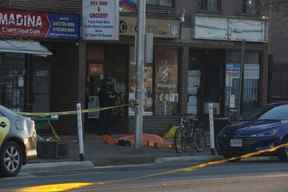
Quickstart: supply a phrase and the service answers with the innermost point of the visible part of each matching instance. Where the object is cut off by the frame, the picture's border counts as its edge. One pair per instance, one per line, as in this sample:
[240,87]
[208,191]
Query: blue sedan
[266,129]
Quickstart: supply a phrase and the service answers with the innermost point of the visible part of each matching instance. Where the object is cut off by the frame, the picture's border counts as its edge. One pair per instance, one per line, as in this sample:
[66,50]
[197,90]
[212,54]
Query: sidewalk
[99,154]
[104,155]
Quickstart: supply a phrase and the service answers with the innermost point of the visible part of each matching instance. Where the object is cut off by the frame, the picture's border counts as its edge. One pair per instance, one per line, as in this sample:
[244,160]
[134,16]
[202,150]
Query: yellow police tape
[61,113]
[54,132]
[218,162]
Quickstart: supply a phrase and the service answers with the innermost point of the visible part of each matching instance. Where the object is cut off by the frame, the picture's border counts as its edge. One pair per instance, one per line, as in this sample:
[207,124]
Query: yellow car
[18,141]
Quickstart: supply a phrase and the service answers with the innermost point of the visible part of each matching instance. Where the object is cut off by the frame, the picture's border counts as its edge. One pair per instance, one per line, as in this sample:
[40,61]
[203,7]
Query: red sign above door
[27,24]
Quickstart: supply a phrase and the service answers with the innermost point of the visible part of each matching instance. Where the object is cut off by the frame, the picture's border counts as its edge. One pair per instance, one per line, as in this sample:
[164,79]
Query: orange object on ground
[149,140]
[108,139]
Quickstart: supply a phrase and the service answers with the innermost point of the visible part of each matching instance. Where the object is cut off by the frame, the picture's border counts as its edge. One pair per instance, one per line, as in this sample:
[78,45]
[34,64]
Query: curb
[207,158]
[65,165]
[185,158]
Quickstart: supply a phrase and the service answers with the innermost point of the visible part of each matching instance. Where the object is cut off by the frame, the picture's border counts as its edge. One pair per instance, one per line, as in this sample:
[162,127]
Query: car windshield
[255,113]
[275,113]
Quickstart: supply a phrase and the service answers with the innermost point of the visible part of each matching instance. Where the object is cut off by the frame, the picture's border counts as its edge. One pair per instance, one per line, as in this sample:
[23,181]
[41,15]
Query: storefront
[219,47]
[117,59]
[184,74]
[34,48]
[214,77]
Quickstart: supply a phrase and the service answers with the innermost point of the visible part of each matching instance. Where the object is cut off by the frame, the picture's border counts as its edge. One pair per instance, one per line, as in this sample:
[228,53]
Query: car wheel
[11,158]
[283,153]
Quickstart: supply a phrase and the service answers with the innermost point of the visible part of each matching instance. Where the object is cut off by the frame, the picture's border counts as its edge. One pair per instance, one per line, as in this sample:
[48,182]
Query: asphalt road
[263,176]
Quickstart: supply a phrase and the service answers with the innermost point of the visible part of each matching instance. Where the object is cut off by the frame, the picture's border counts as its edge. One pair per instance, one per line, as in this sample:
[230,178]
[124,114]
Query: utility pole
[242,78]
[140,73]
[269,49]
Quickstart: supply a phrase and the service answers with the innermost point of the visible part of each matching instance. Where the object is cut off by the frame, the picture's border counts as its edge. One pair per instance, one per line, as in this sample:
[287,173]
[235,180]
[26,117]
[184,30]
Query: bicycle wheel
[178,140]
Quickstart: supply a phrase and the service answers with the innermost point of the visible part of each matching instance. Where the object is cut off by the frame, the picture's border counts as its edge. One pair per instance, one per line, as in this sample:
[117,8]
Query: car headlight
[267,133]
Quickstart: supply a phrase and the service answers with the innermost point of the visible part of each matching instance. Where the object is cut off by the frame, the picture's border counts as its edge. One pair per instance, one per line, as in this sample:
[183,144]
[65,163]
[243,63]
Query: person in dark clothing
[107,97]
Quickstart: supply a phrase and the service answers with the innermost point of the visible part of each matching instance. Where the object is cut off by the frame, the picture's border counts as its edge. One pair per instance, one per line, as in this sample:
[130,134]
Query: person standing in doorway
[107,98]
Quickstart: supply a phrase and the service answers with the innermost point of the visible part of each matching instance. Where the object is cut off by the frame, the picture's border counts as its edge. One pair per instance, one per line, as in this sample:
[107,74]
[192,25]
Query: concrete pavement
[264,176]
[99,154]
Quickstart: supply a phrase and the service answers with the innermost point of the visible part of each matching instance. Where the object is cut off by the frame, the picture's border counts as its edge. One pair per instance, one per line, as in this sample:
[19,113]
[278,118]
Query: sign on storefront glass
[251,80]
[27,24]
[101,19]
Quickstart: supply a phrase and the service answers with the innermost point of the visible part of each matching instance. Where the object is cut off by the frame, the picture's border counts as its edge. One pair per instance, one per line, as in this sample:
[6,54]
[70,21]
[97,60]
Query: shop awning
[28,47]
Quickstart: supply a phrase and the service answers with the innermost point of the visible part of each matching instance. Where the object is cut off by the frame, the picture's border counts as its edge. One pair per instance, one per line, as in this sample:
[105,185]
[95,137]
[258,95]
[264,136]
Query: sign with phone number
[29,24]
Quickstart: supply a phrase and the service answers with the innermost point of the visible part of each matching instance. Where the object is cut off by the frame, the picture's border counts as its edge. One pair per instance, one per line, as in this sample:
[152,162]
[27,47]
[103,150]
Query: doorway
[210,64]
[104,61]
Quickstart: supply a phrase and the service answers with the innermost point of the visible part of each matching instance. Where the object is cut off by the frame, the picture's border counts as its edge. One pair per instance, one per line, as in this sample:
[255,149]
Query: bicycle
[190,135]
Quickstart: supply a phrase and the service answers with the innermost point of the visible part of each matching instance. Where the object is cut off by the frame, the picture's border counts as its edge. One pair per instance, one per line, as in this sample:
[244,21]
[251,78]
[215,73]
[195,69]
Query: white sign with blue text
[100,20]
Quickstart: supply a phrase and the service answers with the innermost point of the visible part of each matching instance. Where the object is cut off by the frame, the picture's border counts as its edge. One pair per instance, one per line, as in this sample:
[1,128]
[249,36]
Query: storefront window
[148,84]
[12,81]
[251,81]
[166,91]
[40,84]
[249,7]
[107,80]
[193,84]
[210,5]
[95,76]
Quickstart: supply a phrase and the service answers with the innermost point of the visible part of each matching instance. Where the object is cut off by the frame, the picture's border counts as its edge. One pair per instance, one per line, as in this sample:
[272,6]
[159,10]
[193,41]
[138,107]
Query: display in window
[166,102]
[148,85]
[193,84]
[251,78]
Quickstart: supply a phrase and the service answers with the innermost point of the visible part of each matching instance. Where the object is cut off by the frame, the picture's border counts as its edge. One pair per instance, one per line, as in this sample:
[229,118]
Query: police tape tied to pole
[64,113]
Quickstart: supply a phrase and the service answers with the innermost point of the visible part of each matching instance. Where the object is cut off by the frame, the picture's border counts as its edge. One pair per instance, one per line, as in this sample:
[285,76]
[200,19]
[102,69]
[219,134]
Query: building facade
[213,60]
[276,14]
[32,81]
[195,62]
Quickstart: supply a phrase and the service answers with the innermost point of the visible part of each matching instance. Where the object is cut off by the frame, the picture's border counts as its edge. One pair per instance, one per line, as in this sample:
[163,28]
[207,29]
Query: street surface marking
[61,187]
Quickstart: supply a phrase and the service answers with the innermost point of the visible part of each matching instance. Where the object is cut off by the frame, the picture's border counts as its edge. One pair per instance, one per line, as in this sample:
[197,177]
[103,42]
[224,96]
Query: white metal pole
[212,132]
[80,132]
[140,73]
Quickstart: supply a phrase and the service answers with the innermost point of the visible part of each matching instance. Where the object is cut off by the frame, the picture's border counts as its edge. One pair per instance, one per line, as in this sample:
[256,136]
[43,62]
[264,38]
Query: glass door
[40,85]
